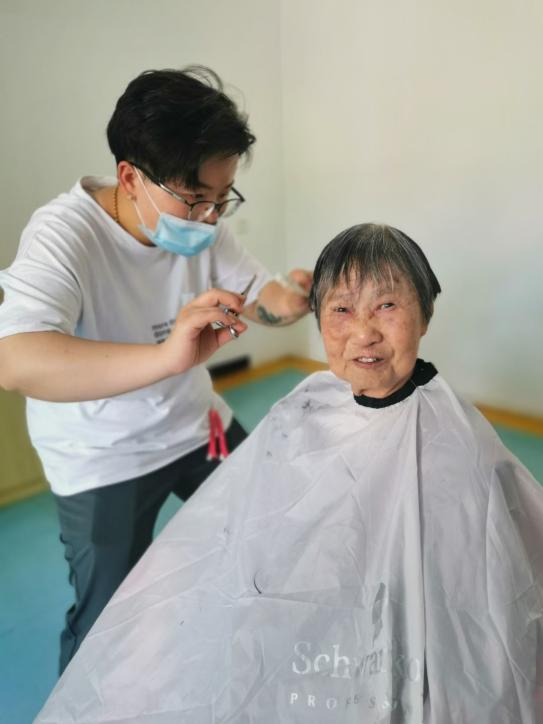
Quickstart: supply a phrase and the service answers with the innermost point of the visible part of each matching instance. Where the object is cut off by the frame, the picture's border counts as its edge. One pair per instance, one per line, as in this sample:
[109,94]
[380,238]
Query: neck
[421,375]
[124,213]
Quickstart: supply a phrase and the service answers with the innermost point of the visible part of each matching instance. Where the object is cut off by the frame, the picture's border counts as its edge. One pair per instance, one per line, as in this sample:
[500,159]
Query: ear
[426,324]
[424,328]
[128,179]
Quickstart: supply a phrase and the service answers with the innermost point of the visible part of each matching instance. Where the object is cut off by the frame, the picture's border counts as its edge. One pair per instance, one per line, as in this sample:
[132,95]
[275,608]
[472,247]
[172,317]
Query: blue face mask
[178,236]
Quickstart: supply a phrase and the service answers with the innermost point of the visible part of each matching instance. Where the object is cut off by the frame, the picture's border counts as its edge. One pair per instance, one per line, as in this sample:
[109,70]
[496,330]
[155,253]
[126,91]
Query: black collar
[422,374]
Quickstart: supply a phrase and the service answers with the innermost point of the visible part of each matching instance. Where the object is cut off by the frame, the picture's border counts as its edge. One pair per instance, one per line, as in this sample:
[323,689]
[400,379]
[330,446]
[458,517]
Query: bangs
[355,273]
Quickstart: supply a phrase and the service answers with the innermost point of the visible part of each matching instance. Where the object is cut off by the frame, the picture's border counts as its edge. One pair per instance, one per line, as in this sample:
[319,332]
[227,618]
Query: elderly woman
[372,553]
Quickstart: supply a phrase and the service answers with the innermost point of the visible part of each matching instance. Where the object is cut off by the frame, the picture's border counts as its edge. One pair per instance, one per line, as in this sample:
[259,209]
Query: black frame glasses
[223,208]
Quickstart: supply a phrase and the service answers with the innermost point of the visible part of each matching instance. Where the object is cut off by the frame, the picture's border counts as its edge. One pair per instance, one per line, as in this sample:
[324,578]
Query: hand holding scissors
[231,328]
[202,326]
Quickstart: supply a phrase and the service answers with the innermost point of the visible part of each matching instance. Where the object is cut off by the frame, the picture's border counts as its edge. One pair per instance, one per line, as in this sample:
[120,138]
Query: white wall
[428,116]
[423,114]
[65,62]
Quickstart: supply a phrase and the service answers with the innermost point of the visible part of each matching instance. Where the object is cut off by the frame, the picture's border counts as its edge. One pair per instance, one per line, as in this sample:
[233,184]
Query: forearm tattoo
[267,317]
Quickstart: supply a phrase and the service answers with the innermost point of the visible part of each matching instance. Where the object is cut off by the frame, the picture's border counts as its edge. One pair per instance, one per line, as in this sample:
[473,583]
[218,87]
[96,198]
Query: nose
[212,218]
[364,332]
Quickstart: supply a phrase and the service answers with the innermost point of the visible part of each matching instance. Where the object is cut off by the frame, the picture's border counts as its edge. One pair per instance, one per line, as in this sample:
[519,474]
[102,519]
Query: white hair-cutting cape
[345,564]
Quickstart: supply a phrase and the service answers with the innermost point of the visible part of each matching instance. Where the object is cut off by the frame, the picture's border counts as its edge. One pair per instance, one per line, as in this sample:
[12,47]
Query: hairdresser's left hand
[303,278]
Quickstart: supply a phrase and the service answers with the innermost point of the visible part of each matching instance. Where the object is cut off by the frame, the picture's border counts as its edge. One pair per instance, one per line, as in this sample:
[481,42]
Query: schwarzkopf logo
[384,680]
[378,687]
[339,666]
[378,661]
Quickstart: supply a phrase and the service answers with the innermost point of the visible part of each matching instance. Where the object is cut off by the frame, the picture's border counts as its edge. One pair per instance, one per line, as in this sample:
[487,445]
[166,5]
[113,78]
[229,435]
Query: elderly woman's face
[371,334]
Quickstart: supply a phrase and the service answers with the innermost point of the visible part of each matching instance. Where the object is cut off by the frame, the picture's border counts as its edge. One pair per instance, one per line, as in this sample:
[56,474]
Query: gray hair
[374,251]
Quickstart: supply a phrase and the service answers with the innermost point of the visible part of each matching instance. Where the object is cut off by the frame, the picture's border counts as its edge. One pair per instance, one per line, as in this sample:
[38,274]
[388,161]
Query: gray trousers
[106,530]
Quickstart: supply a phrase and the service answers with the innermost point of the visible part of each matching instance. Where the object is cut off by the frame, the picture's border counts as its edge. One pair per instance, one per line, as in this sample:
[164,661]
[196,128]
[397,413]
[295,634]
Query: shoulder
[322,386]
[75,211]
[67,226]
[455,436]
[310,403]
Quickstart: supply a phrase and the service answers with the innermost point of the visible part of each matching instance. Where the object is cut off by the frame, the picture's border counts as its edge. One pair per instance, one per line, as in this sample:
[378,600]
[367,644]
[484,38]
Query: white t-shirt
[79,273]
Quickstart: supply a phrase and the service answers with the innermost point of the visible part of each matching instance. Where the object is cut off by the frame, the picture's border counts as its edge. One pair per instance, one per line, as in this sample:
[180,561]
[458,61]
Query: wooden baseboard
[266,369]
[508,418]
[21,492]
[515,420]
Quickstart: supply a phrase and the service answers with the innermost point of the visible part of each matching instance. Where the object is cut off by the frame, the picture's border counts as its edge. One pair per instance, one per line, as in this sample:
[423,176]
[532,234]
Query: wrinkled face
[371,333]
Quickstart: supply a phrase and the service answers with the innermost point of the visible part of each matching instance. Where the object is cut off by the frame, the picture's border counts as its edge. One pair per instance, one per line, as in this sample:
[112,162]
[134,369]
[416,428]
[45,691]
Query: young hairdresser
[111,308]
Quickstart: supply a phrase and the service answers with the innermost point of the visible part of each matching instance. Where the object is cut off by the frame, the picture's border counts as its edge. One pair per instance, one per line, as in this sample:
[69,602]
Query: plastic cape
[345,564]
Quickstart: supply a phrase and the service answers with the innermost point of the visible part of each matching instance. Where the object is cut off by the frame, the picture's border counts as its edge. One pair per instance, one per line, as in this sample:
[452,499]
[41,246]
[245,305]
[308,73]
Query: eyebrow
[206,187]
[383,290]
[337,296]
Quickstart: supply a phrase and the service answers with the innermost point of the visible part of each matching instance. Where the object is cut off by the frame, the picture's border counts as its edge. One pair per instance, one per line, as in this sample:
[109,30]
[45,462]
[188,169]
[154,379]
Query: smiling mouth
[368,361]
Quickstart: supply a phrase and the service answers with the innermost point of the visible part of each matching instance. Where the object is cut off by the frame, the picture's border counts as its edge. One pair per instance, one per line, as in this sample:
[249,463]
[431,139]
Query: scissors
[244,293]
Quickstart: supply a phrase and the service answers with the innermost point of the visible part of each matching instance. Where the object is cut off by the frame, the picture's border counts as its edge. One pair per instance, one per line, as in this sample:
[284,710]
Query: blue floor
[35,591]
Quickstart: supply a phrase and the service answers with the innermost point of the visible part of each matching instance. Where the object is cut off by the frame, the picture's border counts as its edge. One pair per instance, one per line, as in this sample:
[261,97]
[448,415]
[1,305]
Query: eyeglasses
[200,210]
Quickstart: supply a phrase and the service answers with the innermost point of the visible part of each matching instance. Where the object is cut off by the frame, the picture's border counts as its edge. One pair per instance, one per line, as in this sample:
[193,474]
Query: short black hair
[170,122]
[374,251]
